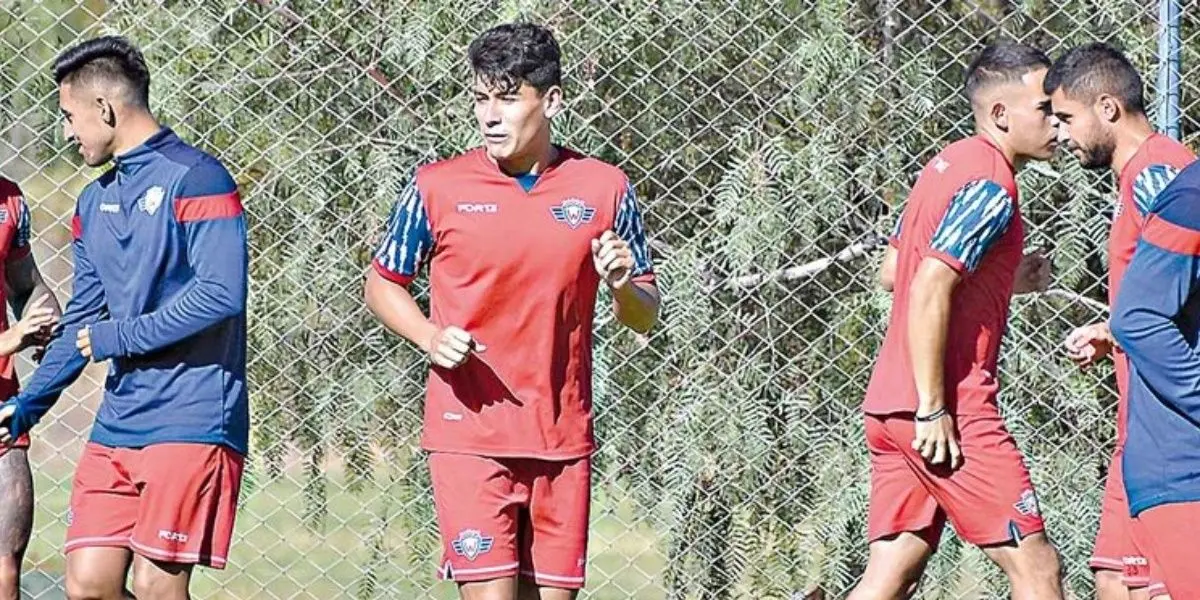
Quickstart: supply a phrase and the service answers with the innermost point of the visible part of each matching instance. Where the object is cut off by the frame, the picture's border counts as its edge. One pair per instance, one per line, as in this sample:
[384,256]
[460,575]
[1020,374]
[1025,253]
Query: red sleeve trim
[1171,237]
[76,228]
[396,278]
[950,261]
[208,208]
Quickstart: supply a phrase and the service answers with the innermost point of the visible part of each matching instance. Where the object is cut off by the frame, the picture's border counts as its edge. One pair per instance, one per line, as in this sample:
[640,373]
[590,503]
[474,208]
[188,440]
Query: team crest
[470,543]
[573,212]
[152,199]
[1028,504]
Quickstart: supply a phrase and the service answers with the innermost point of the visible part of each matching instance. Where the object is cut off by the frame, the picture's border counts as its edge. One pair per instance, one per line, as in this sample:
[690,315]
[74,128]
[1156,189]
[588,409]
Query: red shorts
[988,500]
[168,502]
[1115,548]
[1168,533]
[500,517]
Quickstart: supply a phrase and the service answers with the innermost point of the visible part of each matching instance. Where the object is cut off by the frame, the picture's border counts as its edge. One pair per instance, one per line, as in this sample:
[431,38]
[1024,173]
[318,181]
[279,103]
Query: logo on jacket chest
[573,212]
[151,200]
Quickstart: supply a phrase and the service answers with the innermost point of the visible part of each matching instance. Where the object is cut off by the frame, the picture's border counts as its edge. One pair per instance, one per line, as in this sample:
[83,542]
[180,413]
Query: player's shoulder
[1165,151]
[971,161]
[591,167]
[1179,203]
[454,170]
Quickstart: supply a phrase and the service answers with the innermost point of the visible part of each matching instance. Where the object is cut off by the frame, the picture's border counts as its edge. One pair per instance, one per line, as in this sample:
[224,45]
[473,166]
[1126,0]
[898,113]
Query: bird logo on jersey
[152,199]
[573,212]
[470,543]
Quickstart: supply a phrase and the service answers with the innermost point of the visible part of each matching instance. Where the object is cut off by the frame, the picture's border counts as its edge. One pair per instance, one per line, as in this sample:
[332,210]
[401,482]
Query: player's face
[515,123]
[86,118]
[1031,125]
[1083,132]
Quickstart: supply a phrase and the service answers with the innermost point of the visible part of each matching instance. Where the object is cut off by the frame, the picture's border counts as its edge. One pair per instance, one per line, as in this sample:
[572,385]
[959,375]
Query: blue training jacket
[160,278]
[1157,321]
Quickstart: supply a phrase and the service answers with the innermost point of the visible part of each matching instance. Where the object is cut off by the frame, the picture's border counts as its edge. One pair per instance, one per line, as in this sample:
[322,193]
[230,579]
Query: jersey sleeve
[1158,289]
[208,207]
[19,247]
[897,227]
[630,227]
[407,239]
[977,216]
[1149,184]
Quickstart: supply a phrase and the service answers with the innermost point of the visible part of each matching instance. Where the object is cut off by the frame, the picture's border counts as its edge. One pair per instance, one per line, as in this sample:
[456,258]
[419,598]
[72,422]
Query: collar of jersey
[140,155]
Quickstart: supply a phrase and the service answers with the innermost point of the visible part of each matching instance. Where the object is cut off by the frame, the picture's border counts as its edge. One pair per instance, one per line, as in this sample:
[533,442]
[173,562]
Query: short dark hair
[1087,71]
[1002,62]
[508,55]
[108,58]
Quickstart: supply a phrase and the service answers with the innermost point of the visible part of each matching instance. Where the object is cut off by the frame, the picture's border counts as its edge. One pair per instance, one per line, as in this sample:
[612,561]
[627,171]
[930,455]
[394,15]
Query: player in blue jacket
[1157,321]
[159,290]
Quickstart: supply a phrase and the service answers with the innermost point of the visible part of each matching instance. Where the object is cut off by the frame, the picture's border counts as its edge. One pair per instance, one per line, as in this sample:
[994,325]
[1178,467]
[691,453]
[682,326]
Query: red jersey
[1157,161]
[14,245]
[512,265]
[962,211]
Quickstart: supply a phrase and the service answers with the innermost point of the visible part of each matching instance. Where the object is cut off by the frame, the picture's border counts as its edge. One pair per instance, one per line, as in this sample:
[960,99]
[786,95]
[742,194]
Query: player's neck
[532,163]
[997,139]
[1130,137]
[137,128]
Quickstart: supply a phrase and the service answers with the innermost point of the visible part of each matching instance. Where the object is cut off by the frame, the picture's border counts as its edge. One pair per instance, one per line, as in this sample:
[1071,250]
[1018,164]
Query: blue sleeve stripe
[978,215]
[1149,184]
[408,240]
[630,228]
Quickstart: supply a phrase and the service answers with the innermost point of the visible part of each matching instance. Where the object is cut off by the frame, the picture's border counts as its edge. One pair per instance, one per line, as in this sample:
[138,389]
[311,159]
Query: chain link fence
[772,144]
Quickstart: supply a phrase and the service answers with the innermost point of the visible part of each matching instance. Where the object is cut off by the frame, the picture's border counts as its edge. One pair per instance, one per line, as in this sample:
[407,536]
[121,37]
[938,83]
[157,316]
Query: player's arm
[891,254]
[22,283]
[209,210]
[63,363]
[407,243]
[622,258]
[1163,278]
[976,217]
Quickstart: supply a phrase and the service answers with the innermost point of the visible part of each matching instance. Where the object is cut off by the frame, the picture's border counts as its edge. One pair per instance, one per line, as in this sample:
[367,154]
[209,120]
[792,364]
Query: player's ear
[552,101]
[998,113]
[1108,108]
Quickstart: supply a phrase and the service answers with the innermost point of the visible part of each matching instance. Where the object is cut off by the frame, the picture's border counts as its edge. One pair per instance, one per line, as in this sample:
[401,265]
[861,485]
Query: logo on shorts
[470,543]
[172,536]
[70,516]
[1028,504]
[573,212]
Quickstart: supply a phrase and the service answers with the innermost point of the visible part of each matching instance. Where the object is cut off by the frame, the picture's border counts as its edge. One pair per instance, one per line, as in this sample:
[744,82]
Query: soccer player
[37,311]
[159,289]
[1156,320]
[518,235]
[1097,97]
[939,446]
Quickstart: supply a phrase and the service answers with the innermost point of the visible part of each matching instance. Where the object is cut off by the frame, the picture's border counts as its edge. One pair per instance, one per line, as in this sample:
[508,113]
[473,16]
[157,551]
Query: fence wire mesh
[771,143]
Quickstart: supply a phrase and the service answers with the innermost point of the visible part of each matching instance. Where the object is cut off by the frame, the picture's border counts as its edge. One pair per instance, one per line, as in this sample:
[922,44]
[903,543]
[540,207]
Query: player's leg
[991,503]
[904,522]
[186,514]
[103,509]
[476,501]
[16,519]
[554,537]
[1167,534]
[1111,552]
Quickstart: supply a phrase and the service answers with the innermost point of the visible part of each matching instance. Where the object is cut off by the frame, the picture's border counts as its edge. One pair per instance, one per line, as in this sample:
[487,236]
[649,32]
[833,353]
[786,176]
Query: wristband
[931,417]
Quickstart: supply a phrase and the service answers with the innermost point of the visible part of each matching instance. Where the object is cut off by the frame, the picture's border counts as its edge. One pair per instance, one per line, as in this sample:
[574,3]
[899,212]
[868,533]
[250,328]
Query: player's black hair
[1087,71]
[106,59]
[508,55]
[1002,62]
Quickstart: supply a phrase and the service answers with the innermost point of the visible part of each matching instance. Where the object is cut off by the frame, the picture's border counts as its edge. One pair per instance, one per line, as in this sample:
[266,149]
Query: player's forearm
[636,305]
[928,322]
[397,310]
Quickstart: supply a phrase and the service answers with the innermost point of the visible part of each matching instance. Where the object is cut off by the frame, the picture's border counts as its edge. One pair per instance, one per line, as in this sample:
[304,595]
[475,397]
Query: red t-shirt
[514,269]
[962,211]
[1158,160]
[14,245]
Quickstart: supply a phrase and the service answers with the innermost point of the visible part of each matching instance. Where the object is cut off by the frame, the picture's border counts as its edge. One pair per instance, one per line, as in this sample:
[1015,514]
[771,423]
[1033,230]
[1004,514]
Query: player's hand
[613,259]
[37,324]
[1033,273]
[1088,344]
[450,347]
[6,415]
[83,341]
[937,442]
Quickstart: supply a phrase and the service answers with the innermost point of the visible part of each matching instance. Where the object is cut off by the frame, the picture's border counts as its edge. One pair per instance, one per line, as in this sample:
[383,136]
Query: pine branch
[807,270]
